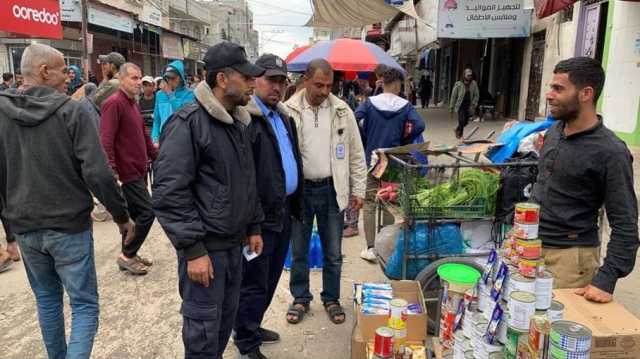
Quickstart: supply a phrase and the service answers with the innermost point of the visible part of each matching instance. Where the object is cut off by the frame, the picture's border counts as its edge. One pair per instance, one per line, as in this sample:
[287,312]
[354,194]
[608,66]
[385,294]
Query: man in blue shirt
[273,137]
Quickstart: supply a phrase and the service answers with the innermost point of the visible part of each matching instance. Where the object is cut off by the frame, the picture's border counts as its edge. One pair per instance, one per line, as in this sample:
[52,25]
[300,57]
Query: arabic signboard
[112,19]
[71,10]
[482,19]
[172,47]
[151,14]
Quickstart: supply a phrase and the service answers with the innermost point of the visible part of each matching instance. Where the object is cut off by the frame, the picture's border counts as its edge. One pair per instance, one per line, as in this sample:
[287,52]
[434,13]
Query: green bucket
[459,276]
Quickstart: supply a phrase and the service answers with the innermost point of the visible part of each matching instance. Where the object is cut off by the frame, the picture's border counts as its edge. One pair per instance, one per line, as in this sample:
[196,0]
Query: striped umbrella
[344,55]
[296,52]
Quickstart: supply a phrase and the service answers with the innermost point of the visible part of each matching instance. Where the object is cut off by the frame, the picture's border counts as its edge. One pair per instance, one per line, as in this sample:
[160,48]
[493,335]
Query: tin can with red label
[530,267]
[529,248]
[383,343]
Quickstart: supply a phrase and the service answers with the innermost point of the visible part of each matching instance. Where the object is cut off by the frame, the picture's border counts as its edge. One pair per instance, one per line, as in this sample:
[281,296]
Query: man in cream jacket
[334,170]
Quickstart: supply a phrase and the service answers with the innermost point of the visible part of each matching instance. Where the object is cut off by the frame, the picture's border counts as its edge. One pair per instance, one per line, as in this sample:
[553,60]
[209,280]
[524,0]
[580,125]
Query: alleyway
[139,316]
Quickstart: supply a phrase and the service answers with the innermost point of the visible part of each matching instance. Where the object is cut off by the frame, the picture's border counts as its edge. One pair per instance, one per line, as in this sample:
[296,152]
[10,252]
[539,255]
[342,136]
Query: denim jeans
[55,261]
[319,203]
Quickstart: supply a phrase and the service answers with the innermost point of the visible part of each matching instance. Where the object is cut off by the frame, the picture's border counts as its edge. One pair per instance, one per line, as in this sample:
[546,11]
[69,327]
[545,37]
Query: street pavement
[139,316]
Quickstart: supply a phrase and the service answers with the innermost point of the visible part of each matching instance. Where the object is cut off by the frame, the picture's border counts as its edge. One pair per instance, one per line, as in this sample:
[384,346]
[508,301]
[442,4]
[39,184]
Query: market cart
[448,170]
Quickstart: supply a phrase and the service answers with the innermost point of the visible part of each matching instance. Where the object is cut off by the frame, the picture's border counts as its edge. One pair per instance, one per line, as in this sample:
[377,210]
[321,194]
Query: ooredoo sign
[34,18]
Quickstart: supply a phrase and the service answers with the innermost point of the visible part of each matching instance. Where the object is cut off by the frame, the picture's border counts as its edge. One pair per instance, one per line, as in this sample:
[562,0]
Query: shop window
[566,15]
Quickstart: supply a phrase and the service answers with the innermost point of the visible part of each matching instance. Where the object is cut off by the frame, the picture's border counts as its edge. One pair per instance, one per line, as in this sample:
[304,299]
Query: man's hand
[594,294]
[200,270]
[356,203]
[127,230]
[256,244]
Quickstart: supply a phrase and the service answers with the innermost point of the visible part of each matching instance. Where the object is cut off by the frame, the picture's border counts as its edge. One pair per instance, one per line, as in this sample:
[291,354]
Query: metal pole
[85,40]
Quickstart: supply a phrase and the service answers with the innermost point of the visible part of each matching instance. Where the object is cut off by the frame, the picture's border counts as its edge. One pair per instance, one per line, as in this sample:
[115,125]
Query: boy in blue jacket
[386,120]
[169,101]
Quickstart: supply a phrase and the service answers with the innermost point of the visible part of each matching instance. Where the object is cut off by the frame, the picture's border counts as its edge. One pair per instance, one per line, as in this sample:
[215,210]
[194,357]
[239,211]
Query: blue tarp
[510,139]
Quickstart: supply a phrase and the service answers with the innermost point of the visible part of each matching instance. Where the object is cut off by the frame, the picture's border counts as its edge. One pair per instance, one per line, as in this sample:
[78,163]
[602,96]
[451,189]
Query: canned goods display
[570,336]
[383,342]
[527,213]
[530,267]
[555,311]
[398,322]
[520,283]
[529,248]
[522,305]
[544,290]
[502,329]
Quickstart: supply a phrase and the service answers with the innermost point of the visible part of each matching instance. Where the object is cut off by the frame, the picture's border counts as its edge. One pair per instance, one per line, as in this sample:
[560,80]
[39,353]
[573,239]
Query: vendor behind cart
[583,166]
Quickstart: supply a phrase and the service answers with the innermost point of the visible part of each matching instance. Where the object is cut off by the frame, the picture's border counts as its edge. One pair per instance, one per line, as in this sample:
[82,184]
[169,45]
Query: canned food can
[496,355]
[398,322]
[555,311]
[539,328]
[468,354]
[520,283]
[557,353]
[570,336]
[527,213]
[502,329]
[529,248]
[383,342]
[530,267]
[522,306]
[513,337]
[544,290]
[525,231]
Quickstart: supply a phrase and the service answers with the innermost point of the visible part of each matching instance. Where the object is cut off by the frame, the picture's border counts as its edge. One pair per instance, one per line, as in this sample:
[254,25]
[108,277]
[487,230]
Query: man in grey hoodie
[51,161]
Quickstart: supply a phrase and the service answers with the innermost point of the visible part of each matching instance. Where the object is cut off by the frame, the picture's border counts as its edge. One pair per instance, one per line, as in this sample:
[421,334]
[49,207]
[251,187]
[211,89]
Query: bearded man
[584,166]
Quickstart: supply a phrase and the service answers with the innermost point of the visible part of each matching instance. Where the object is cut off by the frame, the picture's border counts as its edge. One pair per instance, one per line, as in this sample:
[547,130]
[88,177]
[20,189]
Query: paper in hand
[248,253]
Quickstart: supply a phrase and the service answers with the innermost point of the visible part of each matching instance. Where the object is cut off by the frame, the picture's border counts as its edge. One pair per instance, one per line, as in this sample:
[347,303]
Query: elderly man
[52,151]
[205,197]
[279,178]
[129,149]
[335,174]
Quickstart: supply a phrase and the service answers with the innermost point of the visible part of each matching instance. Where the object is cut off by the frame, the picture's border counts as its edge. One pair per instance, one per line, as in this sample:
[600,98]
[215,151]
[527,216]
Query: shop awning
[327,13]
[33,18]
[546,8]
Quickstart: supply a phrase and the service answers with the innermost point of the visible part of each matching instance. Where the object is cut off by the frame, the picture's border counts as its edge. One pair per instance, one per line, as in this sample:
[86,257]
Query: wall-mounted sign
[71,10]
[172,47]
[151,14]
[113,19]
[36,18]
[481,19]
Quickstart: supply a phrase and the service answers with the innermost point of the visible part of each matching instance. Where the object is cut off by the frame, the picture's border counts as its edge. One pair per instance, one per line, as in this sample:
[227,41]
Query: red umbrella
[297,51]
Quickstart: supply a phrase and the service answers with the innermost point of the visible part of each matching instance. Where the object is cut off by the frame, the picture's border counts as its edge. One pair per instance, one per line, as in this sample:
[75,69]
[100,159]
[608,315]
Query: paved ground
[139,316]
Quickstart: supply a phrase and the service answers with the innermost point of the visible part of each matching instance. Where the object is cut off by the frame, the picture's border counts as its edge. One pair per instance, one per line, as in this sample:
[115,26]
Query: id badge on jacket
[340,151]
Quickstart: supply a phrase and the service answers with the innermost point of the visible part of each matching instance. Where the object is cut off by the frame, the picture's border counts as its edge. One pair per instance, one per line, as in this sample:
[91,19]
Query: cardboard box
[616,332]
[416,323]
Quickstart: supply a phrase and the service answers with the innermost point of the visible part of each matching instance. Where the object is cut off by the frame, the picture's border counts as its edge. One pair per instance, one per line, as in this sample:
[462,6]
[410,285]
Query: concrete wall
[560,45]
[620,102]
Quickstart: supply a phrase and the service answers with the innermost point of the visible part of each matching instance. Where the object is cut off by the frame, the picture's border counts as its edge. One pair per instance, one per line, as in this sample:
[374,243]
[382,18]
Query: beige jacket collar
[212,105]
[296,102]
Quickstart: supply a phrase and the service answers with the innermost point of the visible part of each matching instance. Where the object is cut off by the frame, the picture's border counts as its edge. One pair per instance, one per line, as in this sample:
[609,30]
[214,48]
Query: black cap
[228,54]
[112,58]
[274,65]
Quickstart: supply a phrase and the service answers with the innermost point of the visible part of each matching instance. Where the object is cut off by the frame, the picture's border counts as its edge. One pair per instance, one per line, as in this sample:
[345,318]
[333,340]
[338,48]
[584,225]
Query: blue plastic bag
[510,139]
[315,257]
[447,239]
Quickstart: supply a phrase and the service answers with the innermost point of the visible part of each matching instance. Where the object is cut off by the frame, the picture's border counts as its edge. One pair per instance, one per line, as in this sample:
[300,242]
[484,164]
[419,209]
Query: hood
[179,67]
[78,80]
[254,110]
[31,107]
[213,106]
[388,104]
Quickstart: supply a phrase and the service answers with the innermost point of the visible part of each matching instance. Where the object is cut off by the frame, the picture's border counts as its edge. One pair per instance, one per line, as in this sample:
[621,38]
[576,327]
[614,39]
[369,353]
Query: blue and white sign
[482,19]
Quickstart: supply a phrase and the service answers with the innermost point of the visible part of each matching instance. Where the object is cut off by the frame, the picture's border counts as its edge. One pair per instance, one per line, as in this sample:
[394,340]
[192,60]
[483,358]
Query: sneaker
[369,254]
[350,232]
[269,336]
[253,355]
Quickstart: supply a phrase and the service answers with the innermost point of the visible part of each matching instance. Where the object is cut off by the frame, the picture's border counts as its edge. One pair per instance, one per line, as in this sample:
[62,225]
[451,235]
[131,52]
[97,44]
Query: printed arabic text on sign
[483,19]
[35,18]
[112,19]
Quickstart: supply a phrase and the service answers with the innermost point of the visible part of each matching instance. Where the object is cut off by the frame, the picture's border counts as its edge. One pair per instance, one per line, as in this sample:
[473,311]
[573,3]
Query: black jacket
[270,175]
[578,174]
[204,189]
[50,160]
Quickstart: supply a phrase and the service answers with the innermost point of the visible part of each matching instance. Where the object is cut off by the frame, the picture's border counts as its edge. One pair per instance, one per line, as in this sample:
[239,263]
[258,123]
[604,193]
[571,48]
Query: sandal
[297,310]
[145,261]
[335,312]
[133,266]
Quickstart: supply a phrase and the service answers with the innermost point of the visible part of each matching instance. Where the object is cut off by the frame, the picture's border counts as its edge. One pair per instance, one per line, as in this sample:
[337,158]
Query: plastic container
[460,277]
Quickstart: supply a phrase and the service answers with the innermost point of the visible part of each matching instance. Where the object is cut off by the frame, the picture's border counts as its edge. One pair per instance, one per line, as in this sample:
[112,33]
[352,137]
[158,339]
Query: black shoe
[269,336]
[253,355]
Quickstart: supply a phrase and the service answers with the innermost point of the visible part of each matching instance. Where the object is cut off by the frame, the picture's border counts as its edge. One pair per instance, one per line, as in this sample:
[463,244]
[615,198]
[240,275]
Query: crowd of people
[240,164]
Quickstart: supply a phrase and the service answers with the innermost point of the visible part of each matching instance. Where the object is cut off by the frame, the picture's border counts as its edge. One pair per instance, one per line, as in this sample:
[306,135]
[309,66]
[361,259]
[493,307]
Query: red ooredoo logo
[43,16]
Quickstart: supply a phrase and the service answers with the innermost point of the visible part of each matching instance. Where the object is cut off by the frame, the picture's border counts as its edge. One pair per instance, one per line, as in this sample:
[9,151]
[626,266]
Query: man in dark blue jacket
[274,141]
[205,197]
[386,120]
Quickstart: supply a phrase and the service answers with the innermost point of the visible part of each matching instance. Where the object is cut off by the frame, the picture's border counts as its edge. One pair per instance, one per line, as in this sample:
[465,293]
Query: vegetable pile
[473,187]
